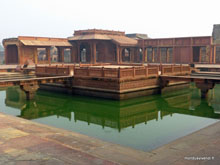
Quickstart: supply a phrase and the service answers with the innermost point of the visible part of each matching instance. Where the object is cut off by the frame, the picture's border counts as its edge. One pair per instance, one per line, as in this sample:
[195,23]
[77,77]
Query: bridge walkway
[29,83]
[203,80]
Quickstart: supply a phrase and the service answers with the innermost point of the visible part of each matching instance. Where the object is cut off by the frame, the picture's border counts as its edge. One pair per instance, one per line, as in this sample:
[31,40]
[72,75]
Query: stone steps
[206,74]
[16,76]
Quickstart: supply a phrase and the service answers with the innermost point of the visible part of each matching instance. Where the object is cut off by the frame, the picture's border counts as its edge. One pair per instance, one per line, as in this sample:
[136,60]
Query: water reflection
[115,114]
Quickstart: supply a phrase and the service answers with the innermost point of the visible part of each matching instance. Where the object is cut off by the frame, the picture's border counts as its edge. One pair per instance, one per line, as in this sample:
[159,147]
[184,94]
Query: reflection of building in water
[213,100]
[114,114]
[15,97]
[189,104]
[214,96]
[118,116]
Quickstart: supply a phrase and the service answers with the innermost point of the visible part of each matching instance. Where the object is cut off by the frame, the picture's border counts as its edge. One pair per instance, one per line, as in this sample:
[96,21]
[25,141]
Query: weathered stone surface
[26,142]
[216,33]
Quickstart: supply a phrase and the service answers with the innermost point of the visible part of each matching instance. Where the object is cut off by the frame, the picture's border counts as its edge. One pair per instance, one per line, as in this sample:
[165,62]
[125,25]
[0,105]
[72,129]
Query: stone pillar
[200,55]
[210,54]
[167,55]
[135,52]
[132,53]
[29,90]
[162,84]
[35,56]
[143,55]
[61,54]
[78,53]
[20,60]
[6,54]
[204,88]
[94,52]
[71,55]
[91,53]
[48,54]
[153,55]
[214,54]
[120,55]
[174,55]
[143,52]
[117,54]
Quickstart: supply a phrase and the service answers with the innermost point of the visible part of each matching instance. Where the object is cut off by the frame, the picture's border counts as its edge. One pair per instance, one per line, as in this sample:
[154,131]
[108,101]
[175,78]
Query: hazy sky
[59,18]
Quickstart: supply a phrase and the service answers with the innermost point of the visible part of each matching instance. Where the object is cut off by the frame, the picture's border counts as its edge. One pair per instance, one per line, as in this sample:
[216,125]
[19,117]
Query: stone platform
[27,142]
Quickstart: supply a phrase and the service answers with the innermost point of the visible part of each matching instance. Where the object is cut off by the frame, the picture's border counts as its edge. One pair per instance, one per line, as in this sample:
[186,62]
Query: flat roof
[39,41]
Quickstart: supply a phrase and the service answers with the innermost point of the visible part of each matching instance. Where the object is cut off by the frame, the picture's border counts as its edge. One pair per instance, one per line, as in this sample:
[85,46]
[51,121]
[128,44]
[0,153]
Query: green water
[143,123]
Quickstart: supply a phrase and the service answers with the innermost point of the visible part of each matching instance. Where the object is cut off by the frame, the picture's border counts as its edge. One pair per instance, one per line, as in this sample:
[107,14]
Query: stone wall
[216,33]
[114,84]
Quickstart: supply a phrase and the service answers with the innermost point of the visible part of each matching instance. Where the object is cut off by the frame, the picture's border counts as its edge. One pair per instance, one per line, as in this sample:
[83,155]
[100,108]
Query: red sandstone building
[103,46]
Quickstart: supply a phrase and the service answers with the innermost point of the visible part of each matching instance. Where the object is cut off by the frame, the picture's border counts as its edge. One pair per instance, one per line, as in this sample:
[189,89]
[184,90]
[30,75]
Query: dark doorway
[140,55]
[196,54]
[12,54]
[67,55]
[41,54]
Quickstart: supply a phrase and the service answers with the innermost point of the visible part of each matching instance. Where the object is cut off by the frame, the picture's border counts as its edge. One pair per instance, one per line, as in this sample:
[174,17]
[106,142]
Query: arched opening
[163,54]
[204,56]
[12,54]
[53,54]
[85,53]
[196,54]
[140,55]
[126,55]
[41,54]
[67,55]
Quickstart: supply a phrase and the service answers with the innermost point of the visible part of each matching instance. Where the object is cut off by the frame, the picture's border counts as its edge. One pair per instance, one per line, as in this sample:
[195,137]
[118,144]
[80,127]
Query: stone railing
[97,64]
[61,70]
[175,70]
[130,72]
[122,72]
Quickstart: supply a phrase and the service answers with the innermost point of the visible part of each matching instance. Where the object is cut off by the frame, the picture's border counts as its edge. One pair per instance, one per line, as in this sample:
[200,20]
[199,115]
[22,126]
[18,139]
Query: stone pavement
[27,142]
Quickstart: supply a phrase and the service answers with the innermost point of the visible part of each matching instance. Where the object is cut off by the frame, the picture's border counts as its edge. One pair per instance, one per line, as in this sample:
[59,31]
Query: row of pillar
[93,50]
[48,55]
[119,50]
[157,54]
[132,54]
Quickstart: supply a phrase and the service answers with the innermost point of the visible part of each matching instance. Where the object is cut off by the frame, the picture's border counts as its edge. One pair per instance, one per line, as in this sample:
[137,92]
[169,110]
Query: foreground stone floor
[27,142]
